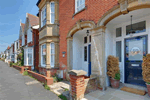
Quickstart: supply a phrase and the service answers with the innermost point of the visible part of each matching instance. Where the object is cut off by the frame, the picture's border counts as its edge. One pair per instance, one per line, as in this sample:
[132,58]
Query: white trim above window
[43,16]
[52,12]
[43,55]
[52,54]
[79,5]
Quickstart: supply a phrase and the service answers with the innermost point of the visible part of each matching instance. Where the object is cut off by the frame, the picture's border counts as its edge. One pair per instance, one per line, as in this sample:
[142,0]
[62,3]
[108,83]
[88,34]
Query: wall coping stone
[77,72]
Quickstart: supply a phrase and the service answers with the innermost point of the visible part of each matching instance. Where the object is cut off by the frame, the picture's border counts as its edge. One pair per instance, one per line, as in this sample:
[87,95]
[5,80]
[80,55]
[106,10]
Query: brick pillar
[48,73]
[77,84]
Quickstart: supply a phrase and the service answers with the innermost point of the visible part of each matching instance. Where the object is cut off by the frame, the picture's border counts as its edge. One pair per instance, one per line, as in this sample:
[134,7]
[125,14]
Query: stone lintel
[77,72]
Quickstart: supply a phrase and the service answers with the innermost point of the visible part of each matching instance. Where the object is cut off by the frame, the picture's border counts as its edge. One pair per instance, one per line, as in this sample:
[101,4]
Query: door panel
[135,49]
[89,59]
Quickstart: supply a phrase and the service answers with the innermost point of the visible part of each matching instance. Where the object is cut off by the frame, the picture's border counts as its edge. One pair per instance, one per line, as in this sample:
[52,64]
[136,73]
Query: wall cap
[77,72]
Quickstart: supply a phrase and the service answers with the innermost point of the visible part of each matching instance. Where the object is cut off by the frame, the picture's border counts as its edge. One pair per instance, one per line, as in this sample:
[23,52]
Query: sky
[11,12]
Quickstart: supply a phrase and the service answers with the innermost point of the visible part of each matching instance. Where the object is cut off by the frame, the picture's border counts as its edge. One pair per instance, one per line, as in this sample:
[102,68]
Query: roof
[38,2]
[34,20]
[23,26]
[8,47]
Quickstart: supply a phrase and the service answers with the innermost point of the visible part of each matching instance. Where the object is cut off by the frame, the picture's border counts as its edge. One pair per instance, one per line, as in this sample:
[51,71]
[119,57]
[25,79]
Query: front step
[133,86]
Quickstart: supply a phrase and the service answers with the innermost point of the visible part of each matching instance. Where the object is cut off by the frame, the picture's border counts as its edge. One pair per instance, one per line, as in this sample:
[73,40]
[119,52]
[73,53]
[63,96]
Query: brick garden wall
[95,10]
[43,71]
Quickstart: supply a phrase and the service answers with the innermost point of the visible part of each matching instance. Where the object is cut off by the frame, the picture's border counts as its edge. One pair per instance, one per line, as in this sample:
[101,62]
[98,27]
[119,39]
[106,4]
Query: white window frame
[42,15]
[52,13]
[29,35]
[23,40]
[26,56]
[43,65]
[52,64]
[80,5]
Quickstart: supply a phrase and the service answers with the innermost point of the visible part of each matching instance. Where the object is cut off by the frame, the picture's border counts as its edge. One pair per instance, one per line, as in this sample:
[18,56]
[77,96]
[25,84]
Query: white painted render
[110,35]
[78,51]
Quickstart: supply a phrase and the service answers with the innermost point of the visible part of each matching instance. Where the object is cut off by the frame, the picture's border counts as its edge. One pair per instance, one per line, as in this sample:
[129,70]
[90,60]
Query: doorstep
[114,94]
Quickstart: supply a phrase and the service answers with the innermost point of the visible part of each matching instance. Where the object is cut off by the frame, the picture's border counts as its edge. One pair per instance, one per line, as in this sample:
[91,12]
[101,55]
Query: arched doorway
[118,42]
[79,47]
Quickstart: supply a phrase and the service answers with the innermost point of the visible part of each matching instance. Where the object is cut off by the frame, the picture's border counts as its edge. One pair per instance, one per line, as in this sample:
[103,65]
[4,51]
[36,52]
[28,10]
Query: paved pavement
[114,94]
[14,86]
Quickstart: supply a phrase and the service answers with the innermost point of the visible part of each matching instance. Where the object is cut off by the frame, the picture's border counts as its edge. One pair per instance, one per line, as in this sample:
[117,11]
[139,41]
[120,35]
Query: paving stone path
[14,86]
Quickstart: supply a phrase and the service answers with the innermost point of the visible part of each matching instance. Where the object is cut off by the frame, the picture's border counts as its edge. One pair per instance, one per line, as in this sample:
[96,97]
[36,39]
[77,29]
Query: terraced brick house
[30,41]
[48,37]
[17,50]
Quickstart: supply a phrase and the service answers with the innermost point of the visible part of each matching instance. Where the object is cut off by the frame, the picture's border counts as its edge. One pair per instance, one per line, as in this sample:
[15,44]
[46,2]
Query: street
[14,86]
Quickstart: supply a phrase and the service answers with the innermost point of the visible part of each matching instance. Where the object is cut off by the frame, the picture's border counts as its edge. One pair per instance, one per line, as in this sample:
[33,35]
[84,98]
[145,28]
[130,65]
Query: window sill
[79,11]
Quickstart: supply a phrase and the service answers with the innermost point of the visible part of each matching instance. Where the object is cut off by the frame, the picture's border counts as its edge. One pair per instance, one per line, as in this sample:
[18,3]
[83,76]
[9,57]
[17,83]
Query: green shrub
[56,78]
[62,97]
[148,82]
[11,64]
[117,76]
[46,87]
[25,73]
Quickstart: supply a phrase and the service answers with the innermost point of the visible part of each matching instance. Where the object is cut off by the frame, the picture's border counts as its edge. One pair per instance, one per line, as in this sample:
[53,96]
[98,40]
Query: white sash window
[43,55]
[29,36]
[52,12]
[79,5]
[28,56]
[52,55]
[43,16]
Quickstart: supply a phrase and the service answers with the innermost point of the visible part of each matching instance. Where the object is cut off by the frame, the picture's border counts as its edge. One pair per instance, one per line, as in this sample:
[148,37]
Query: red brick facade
[93,12]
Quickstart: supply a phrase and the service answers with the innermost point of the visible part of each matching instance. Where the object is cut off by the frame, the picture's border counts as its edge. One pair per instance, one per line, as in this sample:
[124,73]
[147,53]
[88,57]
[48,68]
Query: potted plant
[146,71]
[113,71]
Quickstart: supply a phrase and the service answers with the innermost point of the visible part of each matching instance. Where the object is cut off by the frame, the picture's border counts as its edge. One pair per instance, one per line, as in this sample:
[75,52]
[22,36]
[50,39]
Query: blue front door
[89,59]
[135,49]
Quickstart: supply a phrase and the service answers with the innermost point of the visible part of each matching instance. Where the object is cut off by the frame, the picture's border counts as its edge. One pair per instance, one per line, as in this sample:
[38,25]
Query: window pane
[118,50]
[44,49]
[29,58]
[52,51]
[44,59]
[29,50]
[85,39]
[85,53]
[52,17]
[137,27]
[52,45]
[90,38]
[118,32]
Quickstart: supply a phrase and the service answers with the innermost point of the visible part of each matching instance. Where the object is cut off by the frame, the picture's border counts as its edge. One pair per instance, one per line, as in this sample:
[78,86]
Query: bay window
[43,55]
[43,16]
[28,56]
[52,54]
[52,12]
[29,36]
[79,5]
